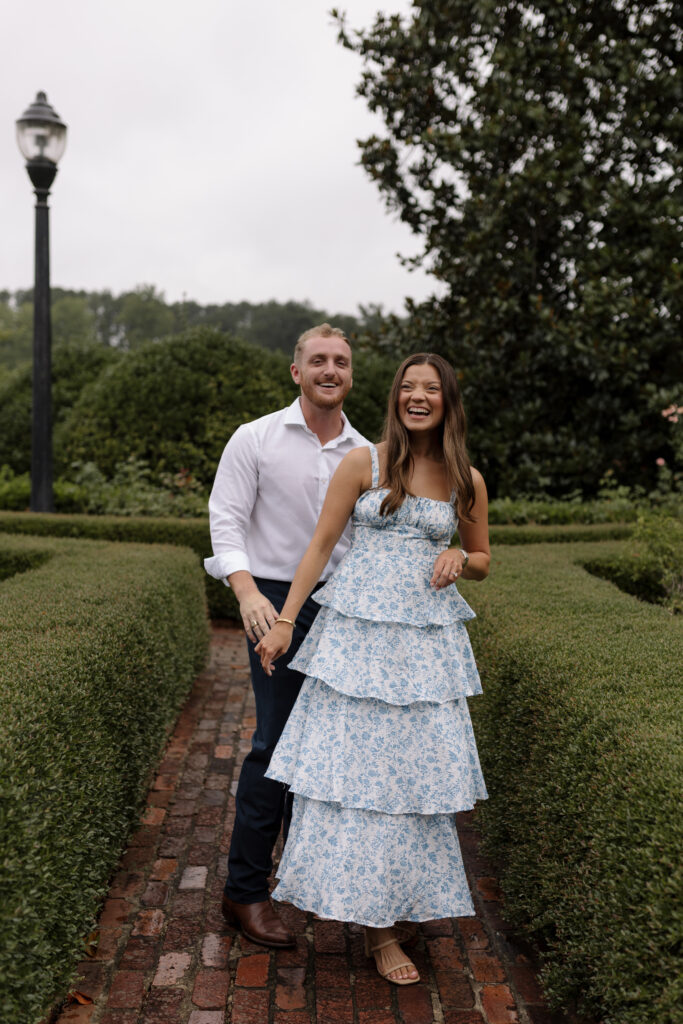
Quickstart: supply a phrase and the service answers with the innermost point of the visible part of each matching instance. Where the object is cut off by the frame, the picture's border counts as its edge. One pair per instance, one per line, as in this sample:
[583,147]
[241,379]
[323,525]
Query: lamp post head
[41,136]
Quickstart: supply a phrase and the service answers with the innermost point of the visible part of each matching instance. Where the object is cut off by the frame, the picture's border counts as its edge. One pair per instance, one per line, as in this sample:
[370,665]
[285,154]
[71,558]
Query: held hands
[275,643]
[447,568]
[258,615]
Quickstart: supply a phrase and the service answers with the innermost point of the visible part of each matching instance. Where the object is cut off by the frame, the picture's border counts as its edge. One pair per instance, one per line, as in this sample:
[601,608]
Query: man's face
[324,371]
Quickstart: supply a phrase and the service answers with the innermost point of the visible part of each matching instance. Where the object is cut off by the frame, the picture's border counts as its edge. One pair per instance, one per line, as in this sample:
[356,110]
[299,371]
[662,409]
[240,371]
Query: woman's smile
[420,398]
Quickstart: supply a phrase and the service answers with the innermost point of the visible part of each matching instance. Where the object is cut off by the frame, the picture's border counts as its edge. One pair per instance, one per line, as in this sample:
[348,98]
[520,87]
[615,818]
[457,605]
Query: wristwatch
[465,556]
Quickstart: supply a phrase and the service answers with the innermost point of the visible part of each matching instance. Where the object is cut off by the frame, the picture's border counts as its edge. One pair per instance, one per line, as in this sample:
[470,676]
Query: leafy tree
[535,149]
[16,333]
[143,316]
[73,321]
[366,403]
[73,366]
[272,325]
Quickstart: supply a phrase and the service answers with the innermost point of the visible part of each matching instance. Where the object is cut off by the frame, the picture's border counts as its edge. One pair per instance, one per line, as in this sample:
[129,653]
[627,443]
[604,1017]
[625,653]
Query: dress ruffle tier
[384,577]
[379,749]
[368,754]
[392,661]
[372,868]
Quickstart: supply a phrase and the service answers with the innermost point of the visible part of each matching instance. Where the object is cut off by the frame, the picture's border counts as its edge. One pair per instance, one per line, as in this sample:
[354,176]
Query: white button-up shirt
[268,492]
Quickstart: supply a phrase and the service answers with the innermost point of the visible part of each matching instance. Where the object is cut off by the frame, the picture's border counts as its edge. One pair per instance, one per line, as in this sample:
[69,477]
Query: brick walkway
[165,957]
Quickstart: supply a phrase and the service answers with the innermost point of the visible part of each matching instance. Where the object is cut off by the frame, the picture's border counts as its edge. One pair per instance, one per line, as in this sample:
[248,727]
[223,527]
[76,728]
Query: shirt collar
[295,416]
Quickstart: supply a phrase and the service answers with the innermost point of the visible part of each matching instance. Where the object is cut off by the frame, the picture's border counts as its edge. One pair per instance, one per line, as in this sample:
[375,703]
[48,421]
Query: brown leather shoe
[260,922]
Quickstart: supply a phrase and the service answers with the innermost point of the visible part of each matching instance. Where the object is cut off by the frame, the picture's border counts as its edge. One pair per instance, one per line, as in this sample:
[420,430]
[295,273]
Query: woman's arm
[474,538]
[352,477]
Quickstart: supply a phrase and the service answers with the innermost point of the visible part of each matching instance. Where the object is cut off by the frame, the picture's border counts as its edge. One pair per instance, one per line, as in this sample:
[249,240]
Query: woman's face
[420,398]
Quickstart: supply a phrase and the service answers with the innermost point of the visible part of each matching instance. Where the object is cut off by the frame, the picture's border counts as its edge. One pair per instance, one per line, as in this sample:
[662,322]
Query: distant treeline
[127,320]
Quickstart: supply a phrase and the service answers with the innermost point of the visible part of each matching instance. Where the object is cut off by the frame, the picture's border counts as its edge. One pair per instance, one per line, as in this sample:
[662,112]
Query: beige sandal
[389,961]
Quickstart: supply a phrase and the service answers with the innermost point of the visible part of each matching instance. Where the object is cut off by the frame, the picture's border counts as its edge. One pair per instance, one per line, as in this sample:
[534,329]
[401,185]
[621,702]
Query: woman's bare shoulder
[358,457]
[477,478]
[357,465]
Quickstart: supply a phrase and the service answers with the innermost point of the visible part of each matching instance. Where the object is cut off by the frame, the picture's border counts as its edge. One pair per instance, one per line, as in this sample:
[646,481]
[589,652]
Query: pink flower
[660,461]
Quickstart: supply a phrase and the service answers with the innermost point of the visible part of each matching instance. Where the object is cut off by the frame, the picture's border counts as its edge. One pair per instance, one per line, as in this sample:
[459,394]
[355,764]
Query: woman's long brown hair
[453,429]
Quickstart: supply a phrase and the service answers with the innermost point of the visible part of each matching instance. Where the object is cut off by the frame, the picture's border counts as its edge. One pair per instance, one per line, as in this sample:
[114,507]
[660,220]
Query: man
[264,506]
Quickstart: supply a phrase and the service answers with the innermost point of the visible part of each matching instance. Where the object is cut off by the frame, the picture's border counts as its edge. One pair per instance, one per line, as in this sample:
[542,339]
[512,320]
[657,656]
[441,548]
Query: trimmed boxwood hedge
[579,732]
[191,533]
[100,645]
[559,533]
[194,533]
[643,581]
[13,562]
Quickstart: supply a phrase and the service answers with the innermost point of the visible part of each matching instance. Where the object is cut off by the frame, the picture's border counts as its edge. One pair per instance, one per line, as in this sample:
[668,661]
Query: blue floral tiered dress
[379,749]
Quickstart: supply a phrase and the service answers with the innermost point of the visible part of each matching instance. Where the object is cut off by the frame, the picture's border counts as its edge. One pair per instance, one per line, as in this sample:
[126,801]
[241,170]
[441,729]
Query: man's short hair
[322,331]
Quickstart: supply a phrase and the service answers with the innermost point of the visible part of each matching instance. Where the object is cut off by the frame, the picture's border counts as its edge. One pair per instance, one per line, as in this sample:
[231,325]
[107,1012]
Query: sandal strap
[383,945]
[397,967]
[385,965]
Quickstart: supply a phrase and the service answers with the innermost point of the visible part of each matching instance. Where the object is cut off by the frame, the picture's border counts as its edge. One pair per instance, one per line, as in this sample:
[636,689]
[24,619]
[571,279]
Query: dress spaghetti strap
[375,465]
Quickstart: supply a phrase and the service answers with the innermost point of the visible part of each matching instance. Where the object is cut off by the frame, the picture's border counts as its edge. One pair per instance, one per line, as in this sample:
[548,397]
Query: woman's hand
[447,568]
[275,643]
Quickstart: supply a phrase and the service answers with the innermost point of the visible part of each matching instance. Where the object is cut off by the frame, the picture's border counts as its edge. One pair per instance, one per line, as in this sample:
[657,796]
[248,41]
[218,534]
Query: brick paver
[165,955]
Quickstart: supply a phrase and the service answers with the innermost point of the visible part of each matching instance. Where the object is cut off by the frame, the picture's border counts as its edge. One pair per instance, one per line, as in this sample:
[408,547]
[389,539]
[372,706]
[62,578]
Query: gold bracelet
[288,621]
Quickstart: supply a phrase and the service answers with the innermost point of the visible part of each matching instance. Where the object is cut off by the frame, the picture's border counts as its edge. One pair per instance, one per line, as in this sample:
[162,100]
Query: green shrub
[652,566]
[15,493]
[630,575]
[175,403]
[558,534]
[14,562]
[553,511]
[100,646]
[73,366]
[194,533]
[579,732]
[191,533]
[132,492]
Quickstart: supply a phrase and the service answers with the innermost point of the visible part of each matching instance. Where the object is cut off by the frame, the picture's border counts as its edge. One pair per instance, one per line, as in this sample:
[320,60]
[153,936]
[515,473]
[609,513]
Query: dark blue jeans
[263,805]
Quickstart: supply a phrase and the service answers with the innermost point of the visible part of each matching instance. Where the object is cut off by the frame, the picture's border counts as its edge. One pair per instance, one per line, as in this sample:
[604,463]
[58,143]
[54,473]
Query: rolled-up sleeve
[231,503]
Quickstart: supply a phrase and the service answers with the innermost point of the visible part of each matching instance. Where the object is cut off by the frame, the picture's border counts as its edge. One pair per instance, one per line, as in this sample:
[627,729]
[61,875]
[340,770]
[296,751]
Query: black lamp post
[42,138]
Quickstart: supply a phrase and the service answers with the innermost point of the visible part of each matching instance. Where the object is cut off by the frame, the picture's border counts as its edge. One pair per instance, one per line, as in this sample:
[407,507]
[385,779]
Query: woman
[379,750]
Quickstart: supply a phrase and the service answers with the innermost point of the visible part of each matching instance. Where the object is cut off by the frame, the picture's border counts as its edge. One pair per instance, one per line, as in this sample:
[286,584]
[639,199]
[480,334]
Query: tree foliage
[535,149]
[129,320]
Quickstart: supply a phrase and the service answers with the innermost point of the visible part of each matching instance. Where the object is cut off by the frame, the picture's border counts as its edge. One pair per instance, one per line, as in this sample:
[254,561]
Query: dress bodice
[385,574]
[419,518]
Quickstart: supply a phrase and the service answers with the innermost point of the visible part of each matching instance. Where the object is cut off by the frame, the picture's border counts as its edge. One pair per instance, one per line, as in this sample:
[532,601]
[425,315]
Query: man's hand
[258,614]
[277,642]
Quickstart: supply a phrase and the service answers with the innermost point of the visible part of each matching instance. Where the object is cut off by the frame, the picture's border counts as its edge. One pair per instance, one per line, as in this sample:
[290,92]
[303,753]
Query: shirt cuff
[223,565]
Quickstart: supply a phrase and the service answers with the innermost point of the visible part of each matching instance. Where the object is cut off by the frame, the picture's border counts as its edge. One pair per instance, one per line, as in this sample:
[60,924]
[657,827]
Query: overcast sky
[211,151]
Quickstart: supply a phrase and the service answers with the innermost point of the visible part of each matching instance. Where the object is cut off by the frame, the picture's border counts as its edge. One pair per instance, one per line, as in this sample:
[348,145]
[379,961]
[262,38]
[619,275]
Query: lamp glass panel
[41,140]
